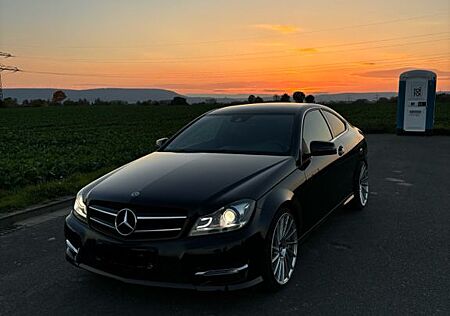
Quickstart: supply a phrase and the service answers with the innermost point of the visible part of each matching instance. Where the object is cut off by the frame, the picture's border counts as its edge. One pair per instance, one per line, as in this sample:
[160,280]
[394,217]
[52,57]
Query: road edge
[13,217]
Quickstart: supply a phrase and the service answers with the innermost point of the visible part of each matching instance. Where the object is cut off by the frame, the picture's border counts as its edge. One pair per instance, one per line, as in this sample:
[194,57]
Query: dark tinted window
[237,133]
[336,124]
[315,128]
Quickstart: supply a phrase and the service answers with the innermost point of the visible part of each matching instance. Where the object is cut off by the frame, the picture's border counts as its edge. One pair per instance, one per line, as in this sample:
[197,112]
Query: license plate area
[126,258]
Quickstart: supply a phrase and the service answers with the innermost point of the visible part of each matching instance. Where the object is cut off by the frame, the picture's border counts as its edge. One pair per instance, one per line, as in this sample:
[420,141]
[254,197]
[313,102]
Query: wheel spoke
[286,269]
[281,276]
[276,258]
[278,271]
[292,233]
[288,228]
[279,230]
[277,266]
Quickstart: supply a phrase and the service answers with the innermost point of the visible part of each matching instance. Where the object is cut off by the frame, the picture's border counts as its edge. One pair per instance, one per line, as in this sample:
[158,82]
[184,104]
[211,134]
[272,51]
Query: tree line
[297,96]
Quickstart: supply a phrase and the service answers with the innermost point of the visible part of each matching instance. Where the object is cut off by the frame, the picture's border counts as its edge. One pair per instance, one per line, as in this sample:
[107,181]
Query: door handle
[341,150]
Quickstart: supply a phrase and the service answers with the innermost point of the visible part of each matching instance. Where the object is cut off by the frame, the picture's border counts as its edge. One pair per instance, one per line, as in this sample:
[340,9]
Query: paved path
[392,258]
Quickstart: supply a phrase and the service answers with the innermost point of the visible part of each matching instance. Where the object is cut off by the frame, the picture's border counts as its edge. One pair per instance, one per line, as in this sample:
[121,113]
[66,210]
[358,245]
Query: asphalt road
[392,258]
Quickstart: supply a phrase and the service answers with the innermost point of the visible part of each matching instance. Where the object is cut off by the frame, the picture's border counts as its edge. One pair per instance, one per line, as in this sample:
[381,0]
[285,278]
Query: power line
[191,43]
[259,55]
[311,68]
[74,74]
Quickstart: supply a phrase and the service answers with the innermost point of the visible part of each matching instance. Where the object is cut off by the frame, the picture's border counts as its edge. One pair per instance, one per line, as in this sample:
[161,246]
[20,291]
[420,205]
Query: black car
[224,203]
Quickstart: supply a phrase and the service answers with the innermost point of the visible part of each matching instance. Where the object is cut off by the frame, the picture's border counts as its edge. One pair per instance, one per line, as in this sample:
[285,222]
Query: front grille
[150,224]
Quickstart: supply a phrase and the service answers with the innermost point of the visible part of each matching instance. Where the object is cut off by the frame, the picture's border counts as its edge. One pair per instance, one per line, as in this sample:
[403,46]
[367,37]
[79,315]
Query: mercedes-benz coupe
[225,202]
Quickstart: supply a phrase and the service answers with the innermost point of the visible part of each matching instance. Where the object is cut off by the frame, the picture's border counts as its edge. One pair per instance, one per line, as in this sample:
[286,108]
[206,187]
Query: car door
[319,194]
[347,159]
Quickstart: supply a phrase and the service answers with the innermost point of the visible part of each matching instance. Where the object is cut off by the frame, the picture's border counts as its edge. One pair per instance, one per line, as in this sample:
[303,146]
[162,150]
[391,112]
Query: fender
[270,203]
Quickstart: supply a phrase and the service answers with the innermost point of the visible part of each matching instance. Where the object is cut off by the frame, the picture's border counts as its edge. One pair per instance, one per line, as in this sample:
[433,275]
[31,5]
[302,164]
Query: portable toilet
[416,100]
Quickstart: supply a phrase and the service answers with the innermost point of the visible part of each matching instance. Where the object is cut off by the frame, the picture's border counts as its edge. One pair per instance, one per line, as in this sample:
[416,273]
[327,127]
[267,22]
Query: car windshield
[263,134]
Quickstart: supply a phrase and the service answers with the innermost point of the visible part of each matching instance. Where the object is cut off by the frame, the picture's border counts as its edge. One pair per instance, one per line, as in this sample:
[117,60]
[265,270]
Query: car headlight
[228,218]
[79,207]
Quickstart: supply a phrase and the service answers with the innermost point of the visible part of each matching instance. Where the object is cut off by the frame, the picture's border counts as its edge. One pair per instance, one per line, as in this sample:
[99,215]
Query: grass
[381,118]
[50,152]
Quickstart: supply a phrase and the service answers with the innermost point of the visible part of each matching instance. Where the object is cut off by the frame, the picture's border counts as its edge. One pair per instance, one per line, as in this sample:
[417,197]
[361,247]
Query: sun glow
[223,47]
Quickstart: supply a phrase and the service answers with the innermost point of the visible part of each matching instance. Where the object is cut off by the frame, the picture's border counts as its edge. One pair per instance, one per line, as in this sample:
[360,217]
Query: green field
[53,151]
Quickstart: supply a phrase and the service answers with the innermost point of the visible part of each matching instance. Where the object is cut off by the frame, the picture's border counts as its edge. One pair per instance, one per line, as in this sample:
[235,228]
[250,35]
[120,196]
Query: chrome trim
[71,247]
[161,217]
[221,271]
[139,217]
[131,224]
[349,199]
[103,211]
[156,230]
[102,223]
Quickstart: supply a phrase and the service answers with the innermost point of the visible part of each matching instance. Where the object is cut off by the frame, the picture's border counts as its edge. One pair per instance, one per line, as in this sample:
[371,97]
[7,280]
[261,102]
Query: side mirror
[319,148]
[160,142]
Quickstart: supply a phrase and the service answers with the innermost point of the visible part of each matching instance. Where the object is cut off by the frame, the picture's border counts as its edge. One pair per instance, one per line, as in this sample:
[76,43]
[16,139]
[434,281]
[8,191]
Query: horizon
[223,47]
[201,94]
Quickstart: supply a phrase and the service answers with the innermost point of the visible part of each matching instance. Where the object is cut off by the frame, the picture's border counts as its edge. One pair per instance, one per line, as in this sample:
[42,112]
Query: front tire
[281,250]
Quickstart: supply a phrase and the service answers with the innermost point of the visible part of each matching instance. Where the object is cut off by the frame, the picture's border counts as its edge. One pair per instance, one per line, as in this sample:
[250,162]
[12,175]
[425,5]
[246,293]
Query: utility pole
[5,68]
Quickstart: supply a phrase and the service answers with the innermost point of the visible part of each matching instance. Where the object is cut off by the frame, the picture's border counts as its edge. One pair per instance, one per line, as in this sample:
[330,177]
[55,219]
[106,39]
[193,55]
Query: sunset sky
[224,46]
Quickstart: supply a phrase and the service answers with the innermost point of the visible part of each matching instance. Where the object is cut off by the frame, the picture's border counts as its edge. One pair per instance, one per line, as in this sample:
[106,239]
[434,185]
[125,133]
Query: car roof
[267,108]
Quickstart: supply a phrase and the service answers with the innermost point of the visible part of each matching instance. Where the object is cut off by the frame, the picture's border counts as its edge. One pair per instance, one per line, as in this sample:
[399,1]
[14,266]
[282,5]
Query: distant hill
[134,95]
[106,94]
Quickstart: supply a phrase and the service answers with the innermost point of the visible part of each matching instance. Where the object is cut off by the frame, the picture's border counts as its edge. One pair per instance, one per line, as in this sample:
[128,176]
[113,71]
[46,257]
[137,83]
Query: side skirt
[323,219]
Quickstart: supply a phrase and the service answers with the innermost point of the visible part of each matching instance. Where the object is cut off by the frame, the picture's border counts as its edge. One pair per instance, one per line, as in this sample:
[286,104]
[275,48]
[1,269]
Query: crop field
[53,151]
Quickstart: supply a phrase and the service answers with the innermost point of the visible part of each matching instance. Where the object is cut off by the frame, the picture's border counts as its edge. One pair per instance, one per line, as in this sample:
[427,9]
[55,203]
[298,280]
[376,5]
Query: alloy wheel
[364,185]
[284,248]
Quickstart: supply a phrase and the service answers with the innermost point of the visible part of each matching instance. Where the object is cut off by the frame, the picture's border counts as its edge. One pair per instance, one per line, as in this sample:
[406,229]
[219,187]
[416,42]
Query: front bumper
[224,261]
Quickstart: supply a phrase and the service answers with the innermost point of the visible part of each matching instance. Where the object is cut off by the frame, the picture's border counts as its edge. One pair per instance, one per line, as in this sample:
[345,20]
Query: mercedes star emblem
[125,222]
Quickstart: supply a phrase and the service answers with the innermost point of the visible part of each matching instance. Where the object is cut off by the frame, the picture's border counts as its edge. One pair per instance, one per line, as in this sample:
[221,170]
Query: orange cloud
[281,28]
[308,50]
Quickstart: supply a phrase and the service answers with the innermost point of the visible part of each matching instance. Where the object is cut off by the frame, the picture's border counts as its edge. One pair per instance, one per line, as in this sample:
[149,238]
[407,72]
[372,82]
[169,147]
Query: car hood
[191,180]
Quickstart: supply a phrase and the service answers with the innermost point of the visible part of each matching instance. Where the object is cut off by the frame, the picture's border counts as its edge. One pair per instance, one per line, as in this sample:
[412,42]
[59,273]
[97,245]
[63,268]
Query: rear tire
[280,250]
[360,187]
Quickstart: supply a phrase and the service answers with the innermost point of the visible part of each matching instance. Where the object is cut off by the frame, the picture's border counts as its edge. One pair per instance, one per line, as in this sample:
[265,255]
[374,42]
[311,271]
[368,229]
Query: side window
[315,128]
[336,124]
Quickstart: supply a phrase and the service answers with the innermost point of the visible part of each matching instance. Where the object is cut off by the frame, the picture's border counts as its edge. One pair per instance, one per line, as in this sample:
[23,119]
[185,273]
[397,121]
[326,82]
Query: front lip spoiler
[231,287]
